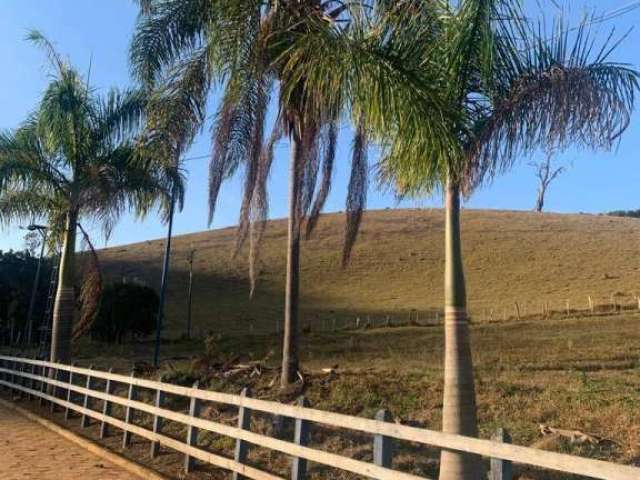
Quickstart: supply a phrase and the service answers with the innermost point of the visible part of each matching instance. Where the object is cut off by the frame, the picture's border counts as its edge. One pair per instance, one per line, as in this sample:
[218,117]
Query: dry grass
[577,373]
[397,266]
[581,373]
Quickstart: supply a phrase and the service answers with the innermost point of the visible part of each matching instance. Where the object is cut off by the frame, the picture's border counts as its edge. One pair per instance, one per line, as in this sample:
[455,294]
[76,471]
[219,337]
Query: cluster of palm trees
[452,94]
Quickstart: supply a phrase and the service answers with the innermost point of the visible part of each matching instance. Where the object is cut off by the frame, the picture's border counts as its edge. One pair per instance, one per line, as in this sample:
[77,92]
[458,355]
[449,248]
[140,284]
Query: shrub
[17,273]
[126,308]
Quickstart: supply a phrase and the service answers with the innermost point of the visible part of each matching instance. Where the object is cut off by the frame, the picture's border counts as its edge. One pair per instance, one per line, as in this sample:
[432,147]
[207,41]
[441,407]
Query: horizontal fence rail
[52,382]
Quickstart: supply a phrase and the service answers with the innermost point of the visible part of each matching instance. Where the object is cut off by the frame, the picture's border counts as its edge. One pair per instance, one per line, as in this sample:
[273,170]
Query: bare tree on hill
[546,173]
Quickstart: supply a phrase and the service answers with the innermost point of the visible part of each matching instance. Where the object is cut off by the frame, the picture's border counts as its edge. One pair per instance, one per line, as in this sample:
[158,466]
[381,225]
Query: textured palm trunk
[64,307]
[291,309]
[459,405]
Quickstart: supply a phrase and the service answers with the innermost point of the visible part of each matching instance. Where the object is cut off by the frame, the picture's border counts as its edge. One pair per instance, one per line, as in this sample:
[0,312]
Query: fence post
[501,469]
[22,382]
[86,402]
[13,377]
[192,432]
[67,410]
[44,373]
[106,407]
[157,423]
[32,382]
[128,415]
[5,376]
[301,437]
[244,422]
[383,446]
[54,374]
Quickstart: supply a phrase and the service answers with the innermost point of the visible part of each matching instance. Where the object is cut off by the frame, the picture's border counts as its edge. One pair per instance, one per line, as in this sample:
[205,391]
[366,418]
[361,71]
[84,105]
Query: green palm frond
[78,152]
[384,77]
[25,205]
[23,161]
[510,89]
[120,114]
[165,30]
[37,38]
[549,93]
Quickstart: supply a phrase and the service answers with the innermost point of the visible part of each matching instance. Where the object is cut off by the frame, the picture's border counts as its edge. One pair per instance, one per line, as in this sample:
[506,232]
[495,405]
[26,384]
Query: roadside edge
[130,466]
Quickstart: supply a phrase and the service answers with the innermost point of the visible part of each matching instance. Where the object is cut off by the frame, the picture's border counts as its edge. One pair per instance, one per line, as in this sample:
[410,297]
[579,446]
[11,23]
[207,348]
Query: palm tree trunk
[290,339]
[459,406]
[64,307]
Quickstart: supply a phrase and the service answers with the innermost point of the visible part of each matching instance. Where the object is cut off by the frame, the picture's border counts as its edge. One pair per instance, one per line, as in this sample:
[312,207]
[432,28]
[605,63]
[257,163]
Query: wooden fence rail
[54,386]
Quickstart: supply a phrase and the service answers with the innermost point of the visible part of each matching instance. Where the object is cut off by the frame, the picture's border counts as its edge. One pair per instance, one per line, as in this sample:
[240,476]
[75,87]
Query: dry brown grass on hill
[528,258]
[581,373]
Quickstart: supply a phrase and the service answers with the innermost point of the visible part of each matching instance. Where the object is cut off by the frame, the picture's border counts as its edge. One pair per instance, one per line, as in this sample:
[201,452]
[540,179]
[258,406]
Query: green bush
[126,308]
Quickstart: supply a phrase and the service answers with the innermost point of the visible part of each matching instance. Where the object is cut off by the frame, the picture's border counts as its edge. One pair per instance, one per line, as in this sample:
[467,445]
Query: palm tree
[506,90]
[515,91]
[73,159]
[251,48]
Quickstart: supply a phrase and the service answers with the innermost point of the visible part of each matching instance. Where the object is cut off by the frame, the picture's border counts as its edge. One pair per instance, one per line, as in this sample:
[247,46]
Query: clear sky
[101,30]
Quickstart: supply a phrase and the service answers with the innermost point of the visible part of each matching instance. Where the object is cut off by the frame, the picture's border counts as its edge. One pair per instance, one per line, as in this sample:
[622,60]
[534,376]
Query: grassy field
[532,259]
[579,372]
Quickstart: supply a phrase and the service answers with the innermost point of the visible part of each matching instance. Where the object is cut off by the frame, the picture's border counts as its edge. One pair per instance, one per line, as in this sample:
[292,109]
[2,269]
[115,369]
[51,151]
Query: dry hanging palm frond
[357,194]
[260,204]
[91,292]
[222,164]
[310,165]
[328,141]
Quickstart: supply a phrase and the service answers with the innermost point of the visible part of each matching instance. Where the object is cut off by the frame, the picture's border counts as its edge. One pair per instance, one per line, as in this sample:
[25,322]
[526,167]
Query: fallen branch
[575,436]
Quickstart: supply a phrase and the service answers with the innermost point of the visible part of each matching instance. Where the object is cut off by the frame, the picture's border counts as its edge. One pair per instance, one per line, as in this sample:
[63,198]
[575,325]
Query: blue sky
[100,30]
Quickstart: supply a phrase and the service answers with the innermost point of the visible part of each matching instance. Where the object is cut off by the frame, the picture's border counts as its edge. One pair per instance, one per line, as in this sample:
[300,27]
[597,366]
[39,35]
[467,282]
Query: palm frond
[91,291]
[357,194]
[549,93]
[238,134]
[120,114]
[388,80]
[260,203]
[25,205]
[329,141]
[40,40]
[167,31]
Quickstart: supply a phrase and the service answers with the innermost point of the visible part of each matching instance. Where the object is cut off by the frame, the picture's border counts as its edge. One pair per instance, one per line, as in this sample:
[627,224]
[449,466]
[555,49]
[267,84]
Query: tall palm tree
[74,159]
[516,91]
[249,48]
[509,89]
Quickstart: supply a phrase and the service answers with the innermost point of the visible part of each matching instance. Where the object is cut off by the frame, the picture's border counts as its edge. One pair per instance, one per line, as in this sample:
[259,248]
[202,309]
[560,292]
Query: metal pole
[163,285]
[34,290]
[190,293]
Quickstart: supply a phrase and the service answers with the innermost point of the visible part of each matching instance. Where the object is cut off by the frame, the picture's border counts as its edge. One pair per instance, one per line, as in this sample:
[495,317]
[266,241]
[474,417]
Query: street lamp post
[163,285]
[190,294]
[36,282]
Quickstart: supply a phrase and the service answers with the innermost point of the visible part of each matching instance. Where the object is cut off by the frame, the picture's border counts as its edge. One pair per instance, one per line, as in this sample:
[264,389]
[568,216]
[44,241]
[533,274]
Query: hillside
[536,260]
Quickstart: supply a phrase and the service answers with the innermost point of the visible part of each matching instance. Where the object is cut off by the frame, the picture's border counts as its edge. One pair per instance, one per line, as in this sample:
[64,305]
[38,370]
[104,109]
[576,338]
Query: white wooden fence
[56,383]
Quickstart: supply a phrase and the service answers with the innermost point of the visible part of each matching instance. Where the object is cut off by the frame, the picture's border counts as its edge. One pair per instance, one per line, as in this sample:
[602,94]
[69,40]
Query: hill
[539,261]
